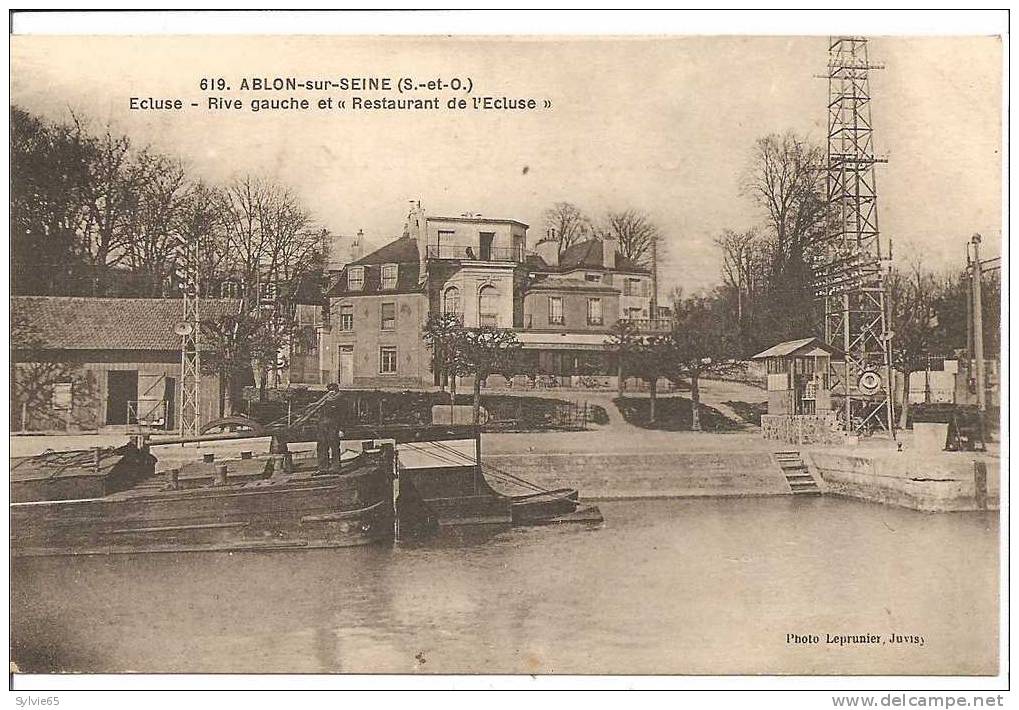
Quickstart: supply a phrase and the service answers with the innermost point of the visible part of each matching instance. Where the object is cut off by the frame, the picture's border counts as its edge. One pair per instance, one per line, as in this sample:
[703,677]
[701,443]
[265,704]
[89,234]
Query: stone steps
[800,481]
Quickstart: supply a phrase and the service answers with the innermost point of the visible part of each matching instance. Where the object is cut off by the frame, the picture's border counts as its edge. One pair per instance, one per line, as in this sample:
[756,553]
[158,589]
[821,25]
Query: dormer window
[389,272]
[355,278]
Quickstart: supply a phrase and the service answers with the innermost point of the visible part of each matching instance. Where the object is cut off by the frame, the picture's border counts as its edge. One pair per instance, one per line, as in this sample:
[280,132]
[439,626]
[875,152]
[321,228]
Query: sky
[662,125]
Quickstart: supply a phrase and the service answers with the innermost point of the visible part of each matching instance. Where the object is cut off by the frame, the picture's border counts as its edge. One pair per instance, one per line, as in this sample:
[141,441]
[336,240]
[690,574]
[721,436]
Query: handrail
[649,324]
[469,252]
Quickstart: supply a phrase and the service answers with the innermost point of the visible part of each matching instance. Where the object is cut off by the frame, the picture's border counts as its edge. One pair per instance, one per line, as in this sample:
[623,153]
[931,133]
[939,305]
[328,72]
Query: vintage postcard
[527,354]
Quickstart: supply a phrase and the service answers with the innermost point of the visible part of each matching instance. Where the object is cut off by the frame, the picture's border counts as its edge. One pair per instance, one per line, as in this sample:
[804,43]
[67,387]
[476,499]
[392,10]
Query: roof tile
[81,323]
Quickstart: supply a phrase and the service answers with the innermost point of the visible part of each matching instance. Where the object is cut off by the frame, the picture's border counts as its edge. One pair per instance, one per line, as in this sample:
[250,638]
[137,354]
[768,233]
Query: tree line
[766,294]
[633,230]
[93,213]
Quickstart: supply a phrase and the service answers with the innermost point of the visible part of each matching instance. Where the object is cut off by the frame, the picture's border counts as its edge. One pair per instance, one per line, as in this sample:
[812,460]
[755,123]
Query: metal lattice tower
[189,329]
[849,268]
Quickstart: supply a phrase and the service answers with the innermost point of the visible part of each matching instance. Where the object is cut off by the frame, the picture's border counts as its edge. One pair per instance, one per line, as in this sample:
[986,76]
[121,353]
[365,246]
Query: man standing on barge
[328,442]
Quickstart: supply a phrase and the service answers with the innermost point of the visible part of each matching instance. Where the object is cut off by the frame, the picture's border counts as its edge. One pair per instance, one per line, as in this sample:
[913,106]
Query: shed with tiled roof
[81,323]
[86,364]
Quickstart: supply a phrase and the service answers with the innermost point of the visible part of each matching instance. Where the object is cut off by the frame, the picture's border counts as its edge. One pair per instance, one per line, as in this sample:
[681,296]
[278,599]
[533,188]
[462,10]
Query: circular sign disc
[869,382]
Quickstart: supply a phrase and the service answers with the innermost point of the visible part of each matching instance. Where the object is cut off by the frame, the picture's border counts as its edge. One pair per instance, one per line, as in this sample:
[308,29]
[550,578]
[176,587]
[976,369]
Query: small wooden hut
[798,376]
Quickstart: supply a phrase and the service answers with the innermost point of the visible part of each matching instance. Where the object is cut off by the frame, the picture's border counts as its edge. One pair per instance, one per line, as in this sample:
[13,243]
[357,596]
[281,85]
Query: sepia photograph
[536,354]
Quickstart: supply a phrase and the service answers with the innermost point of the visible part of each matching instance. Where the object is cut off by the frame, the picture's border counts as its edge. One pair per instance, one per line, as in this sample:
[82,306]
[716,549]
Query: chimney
[415,227]
[548,248]
[357,246]
[609,247]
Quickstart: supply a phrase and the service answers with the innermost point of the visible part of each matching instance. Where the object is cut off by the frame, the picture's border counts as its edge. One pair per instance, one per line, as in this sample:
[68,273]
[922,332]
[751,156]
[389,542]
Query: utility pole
[978,326]
[969,309]
[189,420]
[654,279]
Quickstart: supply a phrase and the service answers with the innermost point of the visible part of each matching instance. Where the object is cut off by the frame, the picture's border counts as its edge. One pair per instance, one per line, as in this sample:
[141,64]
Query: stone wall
[935,482]
[649,475]
[801,429]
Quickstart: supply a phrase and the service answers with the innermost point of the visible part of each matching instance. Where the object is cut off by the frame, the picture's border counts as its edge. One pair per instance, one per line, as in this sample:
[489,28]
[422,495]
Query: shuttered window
[555,310]
[388,316]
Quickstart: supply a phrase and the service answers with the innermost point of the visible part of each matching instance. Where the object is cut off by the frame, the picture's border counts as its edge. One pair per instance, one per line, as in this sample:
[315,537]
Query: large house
[561,306]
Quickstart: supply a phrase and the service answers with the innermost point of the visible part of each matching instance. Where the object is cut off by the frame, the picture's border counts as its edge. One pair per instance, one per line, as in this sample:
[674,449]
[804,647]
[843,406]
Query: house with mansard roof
[481,269]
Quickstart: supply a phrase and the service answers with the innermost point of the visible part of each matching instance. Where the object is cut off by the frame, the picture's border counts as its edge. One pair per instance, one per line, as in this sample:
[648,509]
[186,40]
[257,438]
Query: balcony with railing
[468,252]
[649,325]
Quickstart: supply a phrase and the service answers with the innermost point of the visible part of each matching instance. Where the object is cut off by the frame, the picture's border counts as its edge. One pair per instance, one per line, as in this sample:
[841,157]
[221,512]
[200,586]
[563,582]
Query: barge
[256,504]
[400,481]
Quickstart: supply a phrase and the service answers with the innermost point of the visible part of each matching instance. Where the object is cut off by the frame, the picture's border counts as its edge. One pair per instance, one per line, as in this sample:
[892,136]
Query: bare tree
[785,178]
[291,247]
[49,168]
[481,352]
[624,339]
[110,194]
[155,239]
[701,345]
[634,231]
[565,225]
[243,205]
[200,217]
[913,297]
[744,265]
[270,250]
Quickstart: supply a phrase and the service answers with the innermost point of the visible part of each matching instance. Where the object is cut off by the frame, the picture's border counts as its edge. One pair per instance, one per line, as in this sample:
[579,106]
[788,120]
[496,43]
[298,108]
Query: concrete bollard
[220,478]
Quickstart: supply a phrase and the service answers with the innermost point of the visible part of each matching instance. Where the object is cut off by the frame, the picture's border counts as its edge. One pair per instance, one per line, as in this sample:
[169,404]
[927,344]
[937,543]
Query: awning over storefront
[565,341]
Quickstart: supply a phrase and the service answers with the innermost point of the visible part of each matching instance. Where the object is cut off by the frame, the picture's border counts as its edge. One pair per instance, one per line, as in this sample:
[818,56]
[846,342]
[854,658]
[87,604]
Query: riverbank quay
[620,465]
[628,463]
[943,481]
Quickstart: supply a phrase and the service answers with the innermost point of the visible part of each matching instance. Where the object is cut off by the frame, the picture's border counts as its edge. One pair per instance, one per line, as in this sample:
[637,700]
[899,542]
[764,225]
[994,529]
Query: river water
[692,586]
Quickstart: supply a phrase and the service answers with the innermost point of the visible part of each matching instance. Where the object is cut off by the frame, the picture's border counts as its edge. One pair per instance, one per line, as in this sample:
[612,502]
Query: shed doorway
[121,389]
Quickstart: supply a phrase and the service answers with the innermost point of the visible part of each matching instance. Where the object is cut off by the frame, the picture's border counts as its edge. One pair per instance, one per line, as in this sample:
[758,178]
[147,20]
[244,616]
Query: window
[355,278]
[346,317]
[63,395]
[594,278]
[387,360]
[444,247]
[451,300]
[594,311]
[488,306]
[389,272]
[388,316]
[555,310]
[485,242]
[632,287]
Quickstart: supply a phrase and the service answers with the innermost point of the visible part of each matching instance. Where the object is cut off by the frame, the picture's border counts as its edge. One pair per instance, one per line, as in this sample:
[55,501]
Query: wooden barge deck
[113,501]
